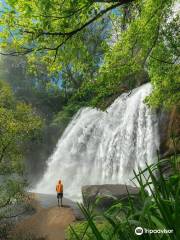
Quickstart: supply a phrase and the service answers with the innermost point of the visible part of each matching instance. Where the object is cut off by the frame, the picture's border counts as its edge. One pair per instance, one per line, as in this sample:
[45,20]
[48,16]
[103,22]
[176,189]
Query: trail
[49,221]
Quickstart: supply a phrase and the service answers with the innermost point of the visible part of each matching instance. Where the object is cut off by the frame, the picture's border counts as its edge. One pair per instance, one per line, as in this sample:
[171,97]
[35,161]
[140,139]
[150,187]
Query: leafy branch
[67,35]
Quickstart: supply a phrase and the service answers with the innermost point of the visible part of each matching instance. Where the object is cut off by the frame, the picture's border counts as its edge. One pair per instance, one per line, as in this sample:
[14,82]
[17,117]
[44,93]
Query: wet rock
[169,130]
[108,194]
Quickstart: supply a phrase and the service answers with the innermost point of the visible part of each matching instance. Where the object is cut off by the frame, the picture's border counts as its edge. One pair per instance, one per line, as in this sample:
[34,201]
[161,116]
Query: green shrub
[159,209]
[82,230]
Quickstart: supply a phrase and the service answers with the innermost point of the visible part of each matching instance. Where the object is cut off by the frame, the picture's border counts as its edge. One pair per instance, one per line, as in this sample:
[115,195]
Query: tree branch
[67,34]
[66,16]
[98,15]
[13,216]
[149,51]
[163,61]
[4,150]
[6,203]
[111,1]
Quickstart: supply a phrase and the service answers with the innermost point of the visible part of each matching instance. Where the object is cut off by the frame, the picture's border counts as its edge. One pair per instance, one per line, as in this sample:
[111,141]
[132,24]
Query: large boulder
[108,194]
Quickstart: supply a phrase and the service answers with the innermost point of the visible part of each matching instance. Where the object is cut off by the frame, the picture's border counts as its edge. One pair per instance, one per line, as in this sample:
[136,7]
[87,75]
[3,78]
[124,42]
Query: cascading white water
[104,147]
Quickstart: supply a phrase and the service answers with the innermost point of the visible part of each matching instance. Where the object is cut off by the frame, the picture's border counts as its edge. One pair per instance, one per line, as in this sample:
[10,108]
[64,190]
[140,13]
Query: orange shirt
[59,188]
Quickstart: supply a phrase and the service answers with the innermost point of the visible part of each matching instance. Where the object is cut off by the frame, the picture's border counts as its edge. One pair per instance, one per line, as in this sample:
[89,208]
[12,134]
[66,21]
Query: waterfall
[104,147]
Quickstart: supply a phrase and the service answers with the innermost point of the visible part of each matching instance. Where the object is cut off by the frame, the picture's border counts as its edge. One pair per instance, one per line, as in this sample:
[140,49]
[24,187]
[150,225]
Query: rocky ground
[49,221]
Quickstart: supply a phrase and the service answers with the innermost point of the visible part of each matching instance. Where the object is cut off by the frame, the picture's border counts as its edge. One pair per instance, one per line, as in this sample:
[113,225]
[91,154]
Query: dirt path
[49,223]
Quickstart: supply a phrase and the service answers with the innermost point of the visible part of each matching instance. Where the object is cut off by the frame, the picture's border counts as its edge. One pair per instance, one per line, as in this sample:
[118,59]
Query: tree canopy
[18,122]
[146,51]
[53,33]
[48,25]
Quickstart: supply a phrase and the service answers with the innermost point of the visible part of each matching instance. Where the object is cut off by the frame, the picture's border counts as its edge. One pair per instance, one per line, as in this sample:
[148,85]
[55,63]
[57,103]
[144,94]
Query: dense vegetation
[158,210]
[70,38]
[57,56]
[45,97]
[18,123]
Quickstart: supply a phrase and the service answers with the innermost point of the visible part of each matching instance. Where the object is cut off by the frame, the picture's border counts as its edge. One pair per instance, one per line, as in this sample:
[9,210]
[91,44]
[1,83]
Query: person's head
[59,181]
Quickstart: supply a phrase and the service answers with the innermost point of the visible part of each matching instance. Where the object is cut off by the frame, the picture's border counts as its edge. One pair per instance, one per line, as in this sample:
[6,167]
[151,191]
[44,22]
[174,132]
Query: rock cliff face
[169,126]
[108,194]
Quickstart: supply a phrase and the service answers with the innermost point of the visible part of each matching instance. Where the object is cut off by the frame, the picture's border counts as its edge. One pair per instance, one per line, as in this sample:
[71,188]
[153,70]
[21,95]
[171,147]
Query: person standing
[59,190]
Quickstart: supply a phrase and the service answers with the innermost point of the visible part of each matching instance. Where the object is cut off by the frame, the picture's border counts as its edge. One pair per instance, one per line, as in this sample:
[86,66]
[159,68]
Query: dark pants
[60,196]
